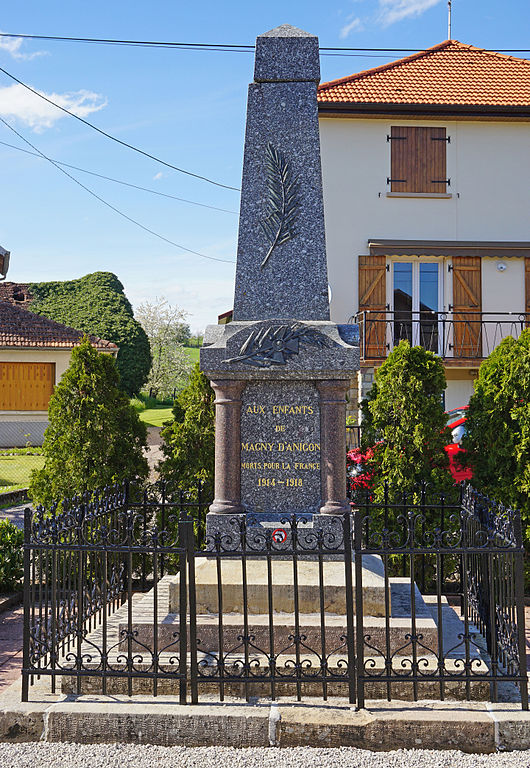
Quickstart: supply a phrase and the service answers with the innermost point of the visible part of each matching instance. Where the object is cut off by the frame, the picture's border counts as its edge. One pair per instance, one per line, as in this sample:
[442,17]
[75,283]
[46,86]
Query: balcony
[457,337]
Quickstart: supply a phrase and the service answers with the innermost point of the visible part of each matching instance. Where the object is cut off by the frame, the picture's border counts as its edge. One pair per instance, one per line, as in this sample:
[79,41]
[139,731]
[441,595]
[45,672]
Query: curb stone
[470,727]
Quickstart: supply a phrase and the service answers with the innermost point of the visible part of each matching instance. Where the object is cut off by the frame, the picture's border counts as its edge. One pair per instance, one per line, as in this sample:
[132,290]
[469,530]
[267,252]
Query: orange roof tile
[451,73]
[21,328]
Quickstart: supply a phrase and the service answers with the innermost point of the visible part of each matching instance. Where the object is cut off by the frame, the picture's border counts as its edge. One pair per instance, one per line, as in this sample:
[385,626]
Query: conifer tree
[189,437]
[498,426]
[403,417]
[94,437]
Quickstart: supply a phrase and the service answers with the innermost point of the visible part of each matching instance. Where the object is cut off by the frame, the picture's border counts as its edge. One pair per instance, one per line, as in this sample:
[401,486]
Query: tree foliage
[189,438]
[498,426]
[94,437]
[404,416]
[166,330]
[11,556]
[97,304]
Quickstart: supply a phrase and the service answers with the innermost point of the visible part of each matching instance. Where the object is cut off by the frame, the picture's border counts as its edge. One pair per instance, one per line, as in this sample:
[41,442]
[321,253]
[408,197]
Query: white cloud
[391,11]
[158,176]
[17,102]
[13,45]
[354,24]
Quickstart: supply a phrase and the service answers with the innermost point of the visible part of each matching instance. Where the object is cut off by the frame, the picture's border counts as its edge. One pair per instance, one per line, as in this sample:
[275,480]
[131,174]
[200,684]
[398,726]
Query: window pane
[429,306]
[402,302]
[428,287]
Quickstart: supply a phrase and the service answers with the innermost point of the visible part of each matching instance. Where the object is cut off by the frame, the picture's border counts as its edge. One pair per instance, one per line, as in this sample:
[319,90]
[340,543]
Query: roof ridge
[415,57]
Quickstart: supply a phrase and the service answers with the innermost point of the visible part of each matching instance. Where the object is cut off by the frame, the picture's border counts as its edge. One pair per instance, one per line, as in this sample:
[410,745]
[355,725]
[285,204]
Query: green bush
[189,438]
[404,415]
[97,304]
[498,427]
[11,556]
[94,437]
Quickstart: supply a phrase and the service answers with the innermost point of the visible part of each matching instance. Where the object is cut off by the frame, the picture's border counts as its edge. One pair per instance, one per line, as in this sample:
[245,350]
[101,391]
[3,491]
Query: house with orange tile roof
[426,168]
[34,354]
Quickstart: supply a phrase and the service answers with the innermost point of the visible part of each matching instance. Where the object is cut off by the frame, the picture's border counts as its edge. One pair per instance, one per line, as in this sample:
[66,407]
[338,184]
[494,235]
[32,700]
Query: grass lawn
[15,471]
[193,352]
[155,417]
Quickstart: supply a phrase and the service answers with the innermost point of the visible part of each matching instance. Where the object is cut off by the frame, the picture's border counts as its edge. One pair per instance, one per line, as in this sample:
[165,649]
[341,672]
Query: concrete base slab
[470,727]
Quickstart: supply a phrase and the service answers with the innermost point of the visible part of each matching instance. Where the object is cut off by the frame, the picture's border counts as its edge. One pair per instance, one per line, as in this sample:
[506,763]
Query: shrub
[95,437]
[404,413]
[498,427]
[359,469]
[189,438]
[97,304]
[11,556]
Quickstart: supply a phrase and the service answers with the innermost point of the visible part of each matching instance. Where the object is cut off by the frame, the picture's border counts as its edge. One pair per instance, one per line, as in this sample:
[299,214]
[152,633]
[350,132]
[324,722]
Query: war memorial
[296,615]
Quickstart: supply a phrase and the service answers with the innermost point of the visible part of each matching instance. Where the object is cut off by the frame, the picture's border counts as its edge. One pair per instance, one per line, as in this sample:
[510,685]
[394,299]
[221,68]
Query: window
[418,160]
[416,302]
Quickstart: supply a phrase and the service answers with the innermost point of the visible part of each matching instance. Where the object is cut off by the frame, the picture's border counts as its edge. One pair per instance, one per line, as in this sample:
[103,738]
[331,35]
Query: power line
[113,138]
[216,46]
[109,205]
[119,181]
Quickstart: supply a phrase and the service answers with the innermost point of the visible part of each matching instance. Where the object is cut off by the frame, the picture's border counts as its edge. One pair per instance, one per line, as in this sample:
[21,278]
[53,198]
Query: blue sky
[187,107]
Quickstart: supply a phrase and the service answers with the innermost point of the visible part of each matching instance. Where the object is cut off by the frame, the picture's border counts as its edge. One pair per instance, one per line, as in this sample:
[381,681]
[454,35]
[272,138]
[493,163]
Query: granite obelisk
[281,369]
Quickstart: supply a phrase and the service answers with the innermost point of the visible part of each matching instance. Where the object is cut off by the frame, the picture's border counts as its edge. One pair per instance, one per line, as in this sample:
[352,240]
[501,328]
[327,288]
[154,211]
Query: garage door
[26,386]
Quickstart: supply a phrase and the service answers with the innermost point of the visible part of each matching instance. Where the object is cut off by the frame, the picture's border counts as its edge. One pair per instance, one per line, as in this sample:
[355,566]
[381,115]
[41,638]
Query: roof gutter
[354,108]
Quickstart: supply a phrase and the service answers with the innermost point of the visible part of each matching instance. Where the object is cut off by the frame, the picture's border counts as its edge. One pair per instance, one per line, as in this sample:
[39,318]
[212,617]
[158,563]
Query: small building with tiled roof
[425,165]
[34,353]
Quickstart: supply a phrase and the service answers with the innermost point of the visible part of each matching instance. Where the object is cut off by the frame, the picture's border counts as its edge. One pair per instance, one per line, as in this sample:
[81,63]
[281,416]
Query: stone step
[257,598]
[284,628]
[285,684]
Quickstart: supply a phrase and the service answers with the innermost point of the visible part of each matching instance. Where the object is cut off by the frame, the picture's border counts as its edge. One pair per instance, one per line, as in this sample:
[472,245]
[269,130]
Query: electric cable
[215,46]
[109,205]
[114,138]
[119,181]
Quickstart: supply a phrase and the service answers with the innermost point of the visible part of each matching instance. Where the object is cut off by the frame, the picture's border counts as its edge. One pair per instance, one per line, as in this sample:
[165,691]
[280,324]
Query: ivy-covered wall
[97,304]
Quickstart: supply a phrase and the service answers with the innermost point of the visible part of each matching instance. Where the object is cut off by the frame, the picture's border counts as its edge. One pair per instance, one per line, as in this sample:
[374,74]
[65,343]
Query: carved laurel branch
[282,201]
[275,345]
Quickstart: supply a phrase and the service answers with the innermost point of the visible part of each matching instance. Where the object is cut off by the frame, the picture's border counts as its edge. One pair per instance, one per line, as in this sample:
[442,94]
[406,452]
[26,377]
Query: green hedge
[97,304]
[11,556]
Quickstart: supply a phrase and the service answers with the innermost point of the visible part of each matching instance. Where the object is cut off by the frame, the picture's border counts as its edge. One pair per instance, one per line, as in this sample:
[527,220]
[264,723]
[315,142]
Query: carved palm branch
[274,346]
[282,201]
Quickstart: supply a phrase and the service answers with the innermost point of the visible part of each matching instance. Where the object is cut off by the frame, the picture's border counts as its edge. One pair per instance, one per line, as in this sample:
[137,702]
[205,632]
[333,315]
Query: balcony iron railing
[452,335]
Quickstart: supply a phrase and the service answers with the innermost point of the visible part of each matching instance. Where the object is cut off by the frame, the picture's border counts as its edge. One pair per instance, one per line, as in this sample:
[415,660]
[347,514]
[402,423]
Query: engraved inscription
[280,447]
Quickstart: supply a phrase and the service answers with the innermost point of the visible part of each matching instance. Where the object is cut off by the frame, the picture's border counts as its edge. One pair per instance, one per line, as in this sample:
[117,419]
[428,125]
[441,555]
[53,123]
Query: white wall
[458,393]
[489,167]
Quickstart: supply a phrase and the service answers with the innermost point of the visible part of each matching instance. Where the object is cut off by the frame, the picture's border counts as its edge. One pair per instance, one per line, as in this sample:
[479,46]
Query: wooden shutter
[418,159]
[467,301]
[26,386]
[402,149]
[527,290]
[372,301]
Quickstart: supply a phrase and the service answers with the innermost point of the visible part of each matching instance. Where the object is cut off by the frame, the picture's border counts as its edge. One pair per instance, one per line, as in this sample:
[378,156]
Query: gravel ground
[132,756]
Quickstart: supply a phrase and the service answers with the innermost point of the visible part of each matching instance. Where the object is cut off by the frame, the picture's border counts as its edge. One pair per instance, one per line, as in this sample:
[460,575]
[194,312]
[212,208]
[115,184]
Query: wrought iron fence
[121,596]
[463,335]
[353,436]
